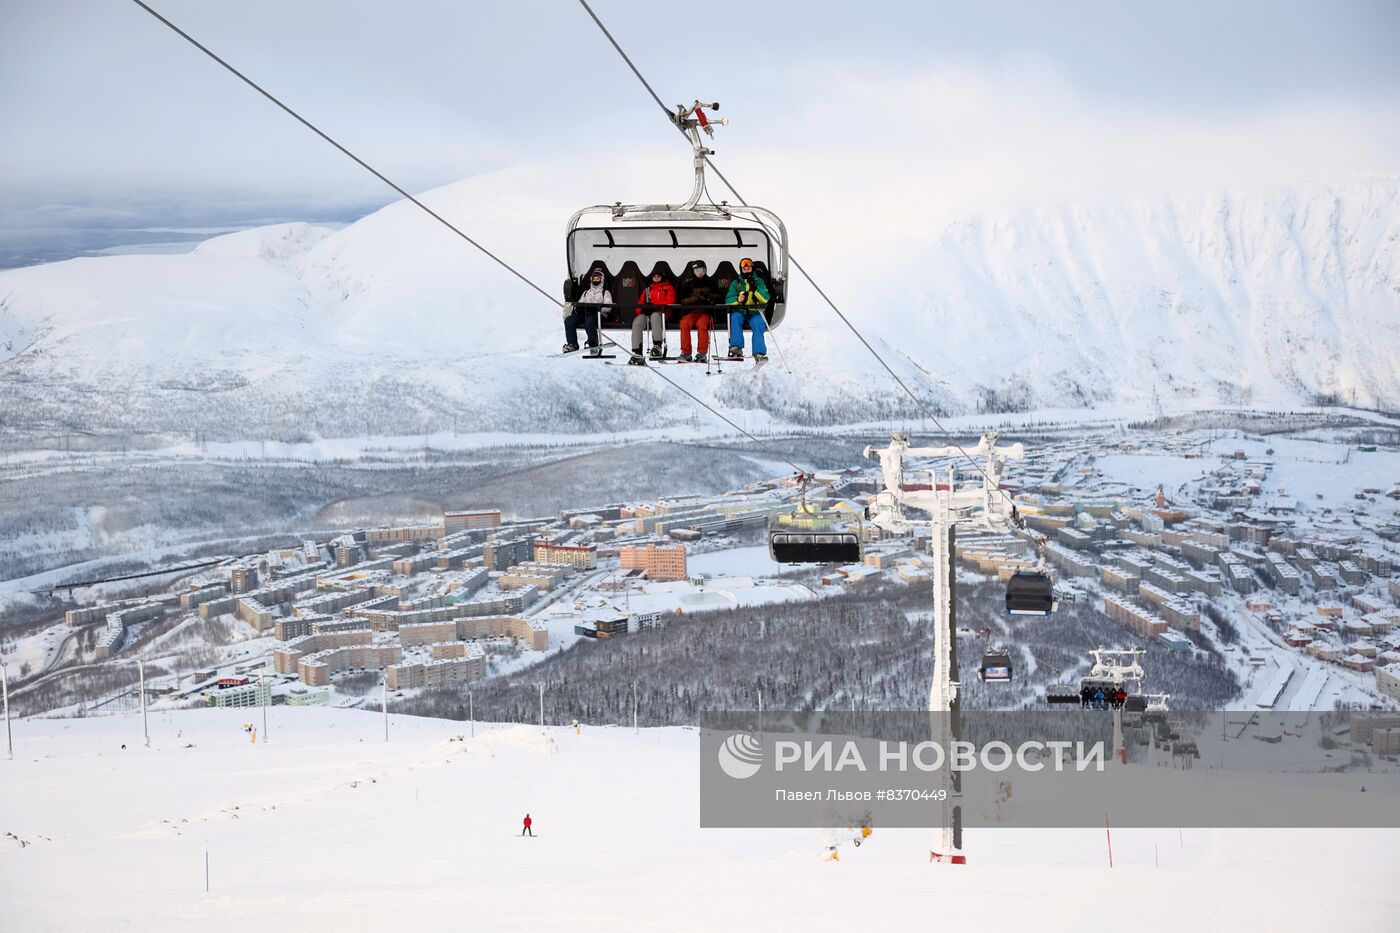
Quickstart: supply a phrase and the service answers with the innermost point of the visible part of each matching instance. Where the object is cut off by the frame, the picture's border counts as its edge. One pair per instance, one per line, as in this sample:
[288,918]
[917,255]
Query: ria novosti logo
[741,756]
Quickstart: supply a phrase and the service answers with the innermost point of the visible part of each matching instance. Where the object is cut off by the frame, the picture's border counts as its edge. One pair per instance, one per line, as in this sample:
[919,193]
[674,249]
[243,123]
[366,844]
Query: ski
[583,351]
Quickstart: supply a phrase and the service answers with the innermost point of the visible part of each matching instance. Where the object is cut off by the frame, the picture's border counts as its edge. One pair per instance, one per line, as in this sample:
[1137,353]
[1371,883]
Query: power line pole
[384,705]
[141,670]
[266,702]
[471,711]
[541,707]
[5,687]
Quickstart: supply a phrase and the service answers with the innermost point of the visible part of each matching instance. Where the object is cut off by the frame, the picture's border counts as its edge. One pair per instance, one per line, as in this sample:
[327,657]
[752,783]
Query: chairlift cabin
[1030,593]
[812,536]
[629,243]
[996,667]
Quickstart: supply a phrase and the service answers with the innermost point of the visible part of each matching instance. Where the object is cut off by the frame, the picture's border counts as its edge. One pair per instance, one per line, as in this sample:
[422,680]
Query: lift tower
[982,503]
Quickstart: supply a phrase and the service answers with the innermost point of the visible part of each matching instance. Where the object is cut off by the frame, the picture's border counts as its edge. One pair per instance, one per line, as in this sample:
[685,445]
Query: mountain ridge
[389,325]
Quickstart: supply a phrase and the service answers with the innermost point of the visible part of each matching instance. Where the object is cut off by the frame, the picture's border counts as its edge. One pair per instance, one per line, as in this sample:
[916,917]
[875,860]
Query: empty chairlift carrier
[811,535]
[1030,593]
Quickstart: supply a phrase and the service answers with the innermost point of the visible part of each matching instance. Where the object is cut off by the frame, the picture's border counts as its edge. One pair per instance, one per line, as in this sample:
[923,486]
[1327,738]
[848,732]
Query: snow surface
[329,825]
[1259,297]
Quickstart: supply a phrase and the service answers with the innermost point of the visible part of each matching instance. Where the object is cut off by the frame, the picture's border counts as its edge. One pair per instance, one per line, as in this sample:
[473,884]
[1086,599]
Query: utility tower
[983,503]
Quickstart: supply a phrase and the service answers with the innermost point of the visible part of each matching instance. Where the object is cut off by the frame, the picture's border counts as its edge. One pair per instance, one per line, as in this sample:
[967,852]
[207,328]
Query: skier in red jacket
[527,831]
[659,292]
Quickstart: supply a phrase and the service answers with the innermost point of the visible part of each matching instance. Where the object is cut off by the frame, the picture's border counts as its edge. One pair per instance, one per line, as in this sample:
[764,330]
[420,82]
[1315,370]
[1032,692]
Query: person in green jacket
[747,295]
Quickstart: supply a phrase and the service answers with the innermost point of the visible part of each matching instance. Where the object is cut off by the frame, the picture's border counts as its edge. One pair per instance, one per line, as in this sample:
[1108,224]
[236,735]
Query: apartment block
[1388,681]
[316,669]
[471,521]
[1237,574]
[88,615]
[660,562]
[1142,621]
[247,695]
[404,533]
[461,664]
[217,607]
[581,557]
[253,612]
[1119,580]
[243,579]
[334,601]
[533,573]
[194,598]
[504,553]
[285,657]
[1076,563]
[1283,575]
[287,629]
[1177,612]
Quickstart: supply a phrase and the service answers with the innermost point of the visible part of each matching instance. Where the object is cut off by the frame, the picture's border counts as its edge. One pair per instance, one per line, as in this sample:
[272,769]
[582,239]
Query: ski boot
[636,359]
[658,353]
[760,357]
[570,348]
[684,358]
[701,358]
[736,353]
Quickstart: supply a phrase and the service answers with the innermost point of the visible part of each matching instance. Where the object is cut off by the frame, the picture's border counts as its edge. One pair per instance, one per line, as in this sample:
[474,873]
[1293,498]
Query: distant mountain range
[393,326]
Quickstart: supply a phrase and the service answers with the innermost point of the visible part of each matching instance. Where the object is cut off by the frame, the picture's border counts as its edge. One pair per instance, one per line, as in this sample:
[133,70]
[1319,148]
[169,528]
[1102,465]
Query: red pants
[700,320]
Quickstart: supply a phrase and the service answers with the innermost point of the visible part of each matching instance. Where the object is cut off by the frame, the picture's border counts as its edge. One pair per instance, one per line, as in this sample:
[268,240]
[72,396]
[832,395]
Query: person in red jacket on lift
[658,292]
[527,831]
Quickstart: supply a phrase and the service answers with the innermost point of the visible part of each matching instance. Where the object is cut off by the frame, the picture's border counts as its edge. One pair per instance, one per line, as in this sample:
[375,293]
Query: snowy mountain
[393,325]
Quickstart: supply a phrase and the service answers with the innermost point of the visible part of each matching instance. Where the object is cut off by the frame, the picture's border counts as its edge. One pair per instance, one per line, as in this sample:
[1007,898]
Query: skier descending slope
[527,831]
[747,295]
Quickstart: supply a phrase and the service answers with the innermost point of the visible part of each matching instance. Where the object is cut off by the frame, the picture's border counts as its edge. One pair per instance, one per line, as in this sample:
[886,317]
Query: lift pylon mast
[946,508]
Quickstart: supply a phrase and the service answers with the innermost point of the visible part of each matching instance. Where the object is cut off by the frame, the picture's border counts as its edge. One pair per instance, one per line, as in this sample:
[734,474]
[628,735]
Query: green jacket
[757,295]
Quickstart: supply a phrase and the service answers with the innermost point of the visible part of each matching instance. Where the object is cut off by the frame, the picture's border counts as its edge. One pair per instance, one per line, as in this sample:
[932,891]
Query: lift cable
[670,116]
[450,226]
[159,572]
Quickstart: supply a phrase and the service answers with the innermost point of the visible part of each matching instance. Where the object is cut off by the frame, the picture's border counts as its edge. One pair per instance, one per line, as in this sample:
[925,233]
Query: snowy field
[739,561]
[330,825]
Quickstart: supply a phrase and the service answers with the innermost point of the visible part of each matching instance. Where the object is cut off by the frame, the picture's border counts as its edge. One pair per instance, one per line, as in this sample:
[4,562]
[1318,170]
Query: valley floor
[329,824]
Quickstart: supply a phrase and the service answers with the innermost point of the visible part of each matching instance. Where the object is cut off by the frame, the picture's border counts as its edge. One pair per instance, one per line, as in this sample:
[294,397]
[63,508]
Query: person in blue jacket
[747,296]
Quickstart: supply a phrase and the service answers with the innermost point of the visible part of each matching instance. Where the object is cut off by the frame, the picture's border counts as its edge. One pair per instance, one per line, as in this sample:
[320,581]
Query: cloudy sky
[919,111]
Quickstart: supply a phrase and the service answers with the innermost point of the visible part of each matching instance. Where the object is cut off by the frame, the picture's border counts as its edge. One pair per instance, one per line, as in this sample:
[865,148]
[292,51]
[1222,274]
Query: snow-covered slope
[395,325]
[330,827]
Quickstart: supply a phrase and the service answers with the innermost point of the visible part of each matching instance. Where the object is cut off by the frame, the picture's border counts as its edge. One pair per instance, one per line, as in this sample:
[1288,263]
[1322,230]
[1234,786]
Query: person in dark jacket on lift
[700,289]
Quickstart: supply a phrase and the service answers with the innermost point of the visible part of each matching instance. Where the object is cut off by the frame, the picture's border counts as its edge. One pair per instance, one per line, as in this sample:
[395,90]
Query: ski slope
[329,826]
